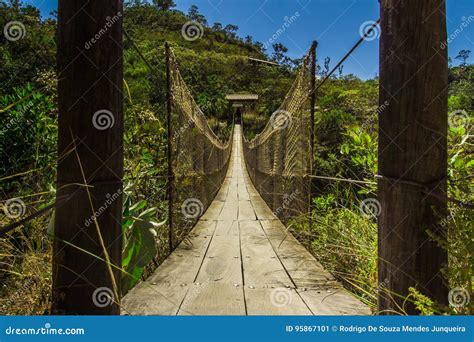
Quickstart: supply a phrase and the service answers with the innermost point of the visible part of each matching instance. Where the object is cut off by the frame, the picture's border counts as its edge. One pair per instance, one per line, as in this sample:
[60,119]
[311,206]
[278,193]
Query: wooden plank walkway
[241,261]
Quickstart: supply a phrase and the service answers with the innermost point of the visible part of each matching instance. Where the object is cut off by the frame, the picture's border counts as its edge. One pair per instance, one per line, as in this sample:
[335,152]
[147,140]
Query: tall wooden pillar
[412,150]
[88,239]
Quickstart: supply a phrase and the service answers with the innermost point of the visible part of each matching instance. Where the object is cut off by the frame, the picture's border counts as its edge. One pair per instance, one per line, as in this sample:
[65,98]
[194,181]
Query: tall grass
[344,242]
[25,270]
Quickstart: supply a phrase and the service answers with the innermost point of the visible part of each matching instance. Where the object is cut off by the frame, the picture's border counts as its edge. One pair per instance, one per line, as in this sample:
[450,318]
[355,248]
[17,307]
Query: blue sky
[333,23]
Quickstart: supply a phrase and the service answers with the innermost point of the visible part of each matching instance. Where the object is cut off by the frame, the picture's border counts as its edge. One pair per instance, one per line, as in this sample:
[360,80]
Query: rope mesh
[199,158]
[279,158]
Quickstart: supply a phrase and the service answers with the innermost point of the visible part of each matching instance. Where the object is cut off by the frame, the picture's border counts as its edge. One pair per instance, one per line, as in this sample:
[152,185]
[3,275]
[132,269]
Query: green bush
[28,139]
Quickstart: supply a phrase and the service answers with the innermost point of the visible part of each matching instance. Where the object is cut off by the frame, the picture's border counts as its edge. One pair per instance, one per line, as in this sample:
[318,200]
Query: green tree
[217,27]
[34,50]
[327,61]
[279,51]
[193,14]
[463,55]
[134,3]
[164,5]
[340,69]
[231,30]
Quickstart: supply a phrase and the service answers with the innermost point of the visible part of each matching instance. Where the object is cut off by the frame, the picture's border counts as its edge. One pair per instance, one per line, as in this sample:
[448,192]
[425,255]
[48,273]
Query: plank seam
[199,269]
[283,265]
[242,270]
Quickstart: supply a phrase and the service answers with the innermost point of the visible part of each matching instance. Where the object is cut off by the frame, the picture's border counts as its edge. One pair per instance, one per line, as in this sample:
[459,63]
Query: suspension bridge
[229,201]
[240,260]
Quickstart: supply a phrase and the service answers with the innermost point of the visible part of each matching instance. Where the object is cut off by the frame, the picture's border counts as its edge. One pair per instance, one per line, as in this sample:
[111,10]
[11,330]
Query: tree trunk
[88,239]
[412,151]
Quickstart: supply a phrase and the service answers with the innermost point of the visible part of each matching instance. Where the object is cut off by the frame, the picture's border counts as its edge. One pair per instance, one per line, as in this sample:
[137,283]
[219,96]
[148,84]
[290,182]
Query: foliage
[463,55]
[28,151]
[25,271]
[458,222]
[28,139]
[140,233]
[347,243]
[361,148]
[145,202]
[422,303]
[23,59]
[164,5]
[346,131]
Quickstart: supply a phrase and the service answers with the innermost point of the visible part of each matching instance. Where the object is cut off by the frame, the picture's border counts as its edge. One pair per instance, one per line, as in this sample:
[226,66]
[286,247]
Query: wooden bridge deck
[241,262]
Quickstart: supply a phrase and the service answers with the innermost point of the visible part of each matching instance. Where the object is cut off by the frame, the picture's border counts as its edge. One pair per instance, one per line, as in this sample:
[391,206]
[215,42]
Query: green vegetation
[344,240]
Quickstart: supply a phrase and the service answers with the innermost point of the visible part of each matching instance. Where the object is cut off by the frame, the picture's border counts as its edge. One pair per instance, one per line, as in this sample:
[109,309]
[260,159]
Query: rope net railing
[279,158]
[199,159]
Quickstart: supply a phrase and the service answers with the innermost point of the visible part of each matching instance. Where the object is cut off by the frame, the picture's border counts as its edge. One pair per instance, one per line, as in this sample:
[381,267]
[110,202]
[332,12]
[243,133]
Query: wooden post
[170,161]
[88,229]
[314,46]
[412,150]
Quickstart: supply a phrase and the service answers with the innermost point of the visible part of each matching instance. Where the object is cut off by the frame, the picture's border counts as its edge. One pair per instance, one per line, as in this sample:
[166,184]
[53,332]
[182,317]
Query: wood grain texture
[90,158]
[412,148]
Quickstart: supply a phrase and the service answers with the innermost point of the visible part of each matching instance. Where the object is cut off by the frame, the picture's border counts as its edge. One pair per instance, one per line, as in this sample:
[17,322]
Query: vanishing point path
[240,260]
